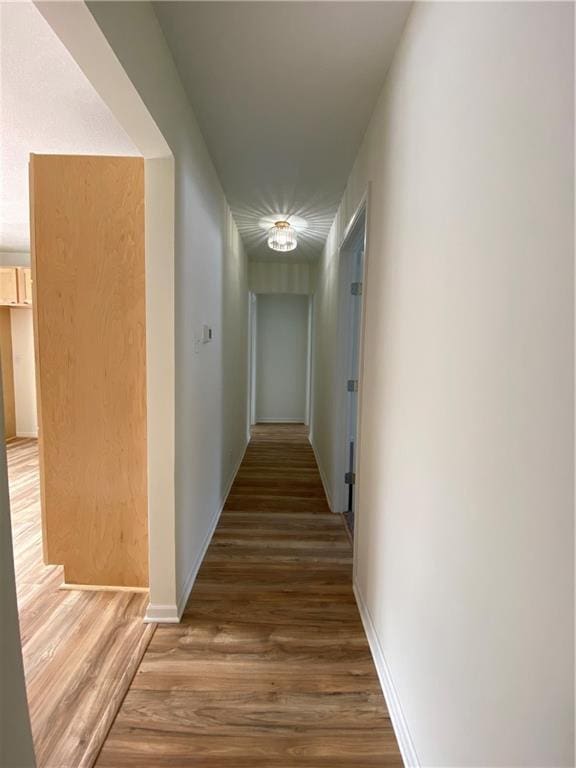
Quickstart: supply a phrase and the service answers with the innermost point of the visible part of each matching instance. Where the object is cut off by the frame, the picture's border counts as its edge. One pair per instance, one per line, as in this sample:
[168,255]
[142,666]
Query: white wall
[14,259]
[24,372]
[464,540]
[281,357]
[210,287]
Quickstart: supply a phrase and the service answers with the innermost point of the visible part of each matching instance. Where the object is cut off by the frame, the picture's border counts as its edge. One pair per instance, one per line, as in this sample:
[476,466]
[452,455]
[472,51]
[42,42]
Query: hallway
[270,665]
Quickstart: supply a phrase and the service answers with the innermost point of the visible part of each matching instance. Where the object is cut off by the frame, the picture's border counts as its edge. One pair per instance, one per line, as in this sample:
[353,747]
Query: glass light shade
[282,237]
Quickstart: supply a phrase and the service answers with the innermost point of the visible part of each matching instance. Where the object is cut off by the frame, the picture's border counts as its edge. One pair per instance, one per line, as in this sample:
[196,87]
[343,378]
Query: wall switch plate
[206,334]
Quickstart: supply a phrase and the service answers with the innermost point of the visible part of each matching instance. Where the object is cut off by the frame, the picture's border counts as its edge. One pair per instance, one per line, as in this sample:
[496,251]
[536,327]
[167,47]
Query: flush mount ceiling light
[282,237]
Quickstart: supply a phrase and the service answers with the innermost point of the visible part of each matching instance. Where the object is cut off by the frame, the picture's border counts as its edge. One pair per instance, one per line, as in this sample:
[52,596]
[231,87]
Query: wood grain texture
[8,285]
[9,401]
[24,285]
[270,666]
[89,308]
[80,649]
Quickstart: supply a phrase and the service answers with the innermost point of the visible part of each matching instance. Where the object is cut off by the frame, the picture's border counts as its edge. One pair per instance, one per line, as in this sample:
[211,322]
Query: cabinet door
[8,285]
[24,285]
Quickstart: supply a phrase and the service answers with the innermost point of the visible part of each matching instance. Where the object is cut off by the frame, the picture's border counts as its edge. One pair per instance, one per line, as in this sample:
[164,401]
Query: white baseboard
[20,433]
[172,614]
[399,723]
[161,614]
[280,421]
[322,476]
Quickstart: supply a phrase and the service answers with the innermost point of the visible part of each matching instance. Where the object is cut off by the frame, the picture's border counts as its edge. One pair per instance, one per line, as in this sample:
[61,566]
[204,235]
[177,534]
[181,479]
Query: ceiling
[47,106]
[283,92]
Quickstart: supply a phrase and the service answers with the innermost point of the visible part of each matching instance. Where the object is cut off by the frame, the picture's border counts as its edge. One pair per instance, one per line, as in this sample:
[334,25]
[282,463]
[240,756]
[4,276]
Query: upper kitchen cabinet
[9,285]
[15,286]
[24,285]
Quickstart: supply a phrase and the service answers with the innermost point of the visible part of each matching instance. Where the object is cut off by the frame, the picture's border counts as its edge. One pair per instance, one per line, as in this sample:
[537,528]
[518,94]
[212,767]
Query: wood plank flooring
[270,665]
[80,648]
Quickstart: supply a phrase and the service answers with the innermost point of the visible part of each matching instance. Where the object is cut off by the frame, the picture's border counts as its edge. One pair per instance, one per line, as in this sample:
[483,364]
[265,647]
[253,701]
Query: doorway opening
[352,289]
[280,327]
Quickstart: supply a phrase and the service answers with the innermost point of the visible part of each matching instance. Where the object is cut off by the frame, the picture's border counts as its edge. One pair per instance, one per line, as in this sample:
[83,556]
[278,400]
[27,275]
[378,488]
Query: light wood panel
[87,217]
[80,649]
[9,400]
[24,285]
[8,285]
[270,666]
[15,286]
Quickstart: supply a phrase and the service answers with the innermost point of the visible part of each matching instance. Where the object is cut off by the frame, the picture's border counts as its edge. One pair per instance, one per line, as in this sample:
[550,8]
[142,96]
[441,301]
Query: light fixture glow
[282,237]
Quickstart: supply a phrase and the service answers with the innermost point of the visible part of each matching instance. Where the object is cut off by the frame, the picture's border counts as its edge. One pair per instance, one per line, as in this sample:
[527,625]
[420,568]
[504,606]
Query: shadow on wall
[233,354]
[16,747]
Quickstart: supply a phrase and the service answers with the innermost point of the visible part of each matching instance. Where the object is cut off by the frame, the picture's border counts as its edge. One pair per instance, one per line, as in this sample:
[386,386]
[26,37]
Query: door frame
[308,417]
[359,219]
[252,341]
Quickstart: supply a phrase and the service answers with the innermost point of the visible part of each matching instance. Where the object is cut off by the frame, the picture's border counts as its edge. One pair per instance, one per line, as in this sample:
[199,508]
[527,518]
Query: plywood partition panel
[87,221]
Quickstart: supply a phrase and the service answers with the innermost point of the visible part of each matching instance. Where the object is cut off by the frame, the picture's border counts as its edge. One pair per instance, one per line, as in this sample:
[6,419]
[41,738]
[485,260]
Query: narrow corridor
[270,665]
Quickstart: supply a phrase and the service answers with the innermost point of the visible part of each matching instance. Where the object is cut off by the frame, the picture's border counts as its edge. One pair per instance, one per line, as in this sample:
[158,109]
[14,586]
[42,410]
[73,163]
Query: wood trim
[114,703]
[101,588]
[37,364]
[24,276]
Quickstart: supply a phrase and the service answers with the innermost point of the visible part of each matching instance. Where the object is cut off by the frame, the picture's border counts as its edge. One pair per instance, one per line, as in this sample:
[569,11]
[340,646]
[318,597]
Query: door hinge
[356,289]
[350,478]
[352,385]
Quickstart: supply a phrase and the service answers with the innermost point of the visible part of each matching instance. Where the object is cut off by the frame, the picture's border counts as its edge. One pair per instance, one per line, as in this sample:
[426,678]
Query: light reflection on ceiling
[283,93]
